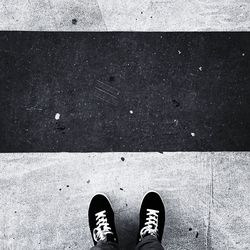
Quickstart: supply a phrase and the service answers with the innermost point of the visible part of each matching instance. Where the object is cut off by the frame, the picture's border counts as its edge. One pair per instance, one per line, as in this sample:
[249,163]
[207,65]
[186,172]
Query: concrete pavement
[45,196]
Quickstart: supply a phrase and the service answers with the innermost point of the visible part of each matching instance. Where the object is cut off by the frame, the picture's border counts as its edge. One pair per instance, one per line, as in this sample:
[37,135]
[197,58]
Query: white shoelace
[103,228]
[151,224]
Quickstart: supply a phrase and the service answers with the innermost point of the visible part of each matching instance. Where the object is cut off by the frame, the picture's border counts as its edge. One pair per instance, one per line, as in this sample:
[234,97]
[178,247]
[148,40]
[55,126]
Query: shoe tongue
[110,237]
[146,234]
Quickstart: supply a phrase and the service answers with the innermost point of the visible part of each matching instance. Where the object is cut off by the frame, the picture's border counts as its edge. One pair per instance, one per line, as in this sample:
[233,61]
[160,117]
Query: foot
[101,219]
[152,217]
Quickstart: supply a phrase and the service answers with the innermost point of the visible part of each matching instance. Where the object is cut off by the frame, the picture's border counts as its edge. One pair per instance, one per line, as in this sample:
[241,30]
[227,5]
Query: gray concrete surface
[44,197]
[130,15]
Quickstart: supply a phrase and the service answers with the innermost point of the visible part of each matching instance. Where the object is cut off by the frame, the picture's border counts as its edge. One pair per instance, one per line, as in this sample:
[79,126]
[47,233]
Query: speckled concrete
[130,15]
[44,197]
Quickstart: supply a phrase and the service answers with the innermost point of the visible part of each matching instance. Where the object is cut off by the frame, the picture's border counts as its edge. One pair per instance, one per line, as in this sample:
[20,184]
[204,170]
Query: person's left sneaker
[101,219]
[152,217]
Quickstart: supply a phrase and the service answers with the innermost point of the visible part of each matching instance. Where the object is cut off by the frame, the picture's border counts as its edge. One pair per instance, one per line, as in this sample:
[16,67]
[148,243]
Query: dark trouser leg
[103,245]
[149,243]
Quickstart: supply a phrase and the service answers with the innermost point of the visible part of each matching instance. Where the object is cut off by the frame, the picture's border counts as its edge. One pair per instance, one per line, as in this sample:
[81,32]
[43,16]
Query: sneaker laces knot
[151,224]
[103,228]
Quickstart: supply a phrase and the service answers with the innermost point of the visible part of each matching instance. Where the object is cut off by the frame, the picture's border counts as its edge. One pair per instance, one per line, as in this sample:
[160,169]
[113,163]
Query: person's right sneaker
[152,217]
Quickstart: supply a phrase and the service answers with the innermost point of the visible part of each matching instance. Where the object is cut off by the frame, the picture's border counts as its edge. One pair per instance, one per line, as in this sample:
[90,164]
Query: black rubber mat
[124,91]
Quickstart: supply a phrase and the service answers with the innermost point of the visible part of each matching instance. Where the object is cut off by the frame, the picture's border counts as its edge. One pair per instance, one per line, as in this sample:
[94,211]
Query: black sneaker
[101,219]
[152,217]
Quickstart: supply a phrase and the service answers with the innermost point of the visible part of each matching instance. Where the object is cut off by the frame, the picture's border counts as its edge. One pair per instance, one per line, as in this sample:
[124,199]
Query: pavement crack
[208,232]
